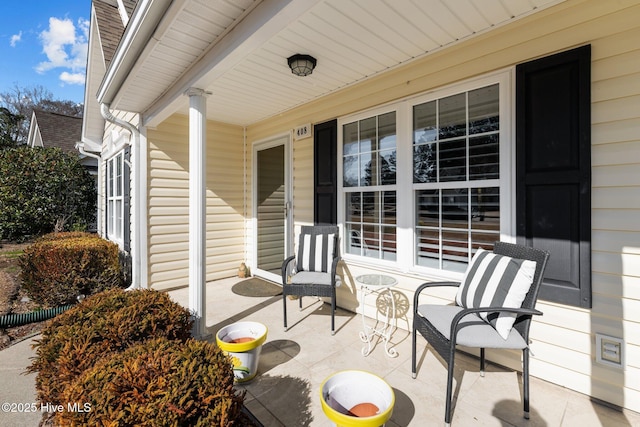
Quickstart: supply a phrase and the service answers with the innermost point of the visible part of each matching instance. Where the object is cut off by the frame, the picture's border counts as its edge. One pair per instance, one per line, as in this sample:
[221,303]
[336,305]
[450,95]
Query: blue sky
[44,43]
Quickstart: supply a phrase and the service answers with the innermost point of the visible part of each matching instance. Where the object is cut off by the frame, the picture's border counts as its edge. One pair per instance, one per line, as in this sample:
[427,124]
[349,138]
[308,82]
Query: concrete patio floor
[294,364]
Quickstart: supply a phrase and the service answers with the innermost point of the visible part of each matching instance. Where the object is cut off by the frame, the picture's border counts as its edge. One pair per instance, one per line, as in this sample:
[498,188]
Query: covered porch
[294,364]
[197,92]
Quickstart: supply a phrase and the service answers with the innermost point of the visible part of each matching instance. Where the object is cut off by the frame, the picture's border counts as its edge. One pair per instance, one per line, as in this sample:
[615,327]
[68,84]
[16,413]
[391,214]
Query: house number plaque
[302,132]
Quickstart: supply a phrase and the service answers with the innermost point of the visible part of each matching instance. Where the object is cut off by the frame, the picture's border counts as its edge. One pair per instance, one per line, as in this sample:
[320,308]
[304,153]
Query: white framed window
[426,181]
[369,186]
[456,173]
[115,198]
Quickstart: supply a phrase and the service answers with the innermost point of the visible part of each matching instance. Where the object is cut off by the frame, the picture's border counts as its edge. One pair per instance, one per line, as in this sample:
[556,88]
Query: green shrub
[105,323]
[157,383]
[41,189]
[59,267]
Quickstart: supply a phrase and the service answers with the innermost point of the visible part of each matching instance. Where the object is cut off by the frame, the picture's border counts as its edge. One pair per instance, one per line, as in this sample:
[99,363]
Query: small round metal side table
[378,284]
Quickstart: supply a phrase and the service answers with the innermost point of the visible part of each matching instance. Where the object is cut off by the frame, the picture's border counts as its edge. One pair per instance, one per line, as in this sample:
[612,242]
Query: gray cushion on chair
[311,278]
[475,332]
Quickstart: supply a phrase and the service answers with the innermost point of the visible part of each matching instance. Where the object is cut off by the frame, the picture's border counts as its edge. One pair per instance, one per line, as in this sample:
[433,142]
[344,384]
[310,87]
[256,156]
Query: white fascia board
[34,130]
[264,22]
[94,44]
[93,146]
[92,121]
[140,29]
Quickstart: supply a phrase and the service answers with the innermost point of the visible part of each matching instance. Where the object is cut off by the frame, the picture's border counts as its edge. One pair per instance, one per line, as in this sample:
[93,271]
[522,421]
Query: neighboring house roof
[54,130]
[49,129]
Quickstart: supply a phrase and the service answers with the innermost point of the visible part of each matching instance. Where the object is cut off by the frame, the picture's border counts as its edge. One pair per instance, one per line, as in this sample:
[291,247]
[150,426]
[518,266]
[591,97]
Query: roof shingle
[59,130]
[110,28]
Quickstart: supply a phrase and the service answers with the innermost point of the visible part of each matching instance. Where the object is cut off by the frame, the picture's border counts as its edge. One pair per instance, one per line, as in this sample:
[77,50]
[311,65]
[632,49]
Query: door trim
[274,141]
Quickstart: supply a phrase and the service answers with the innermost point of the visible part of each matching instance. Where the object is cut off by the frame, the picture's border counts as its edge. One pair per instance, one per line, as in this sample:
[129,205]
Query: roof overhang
[136,43]
[238,51]
[92,121]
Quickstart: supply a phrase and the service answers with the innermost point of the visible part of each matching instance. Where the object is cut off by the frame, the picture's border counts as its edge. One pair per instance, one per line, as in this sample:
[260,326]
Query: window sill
[419,273]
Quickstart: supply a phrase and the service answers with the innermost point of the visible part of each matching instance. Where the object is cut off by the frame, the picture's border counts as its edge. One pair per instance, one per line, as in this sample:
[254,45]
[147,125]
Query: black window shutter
[126,197]
[325,149]
[553,169]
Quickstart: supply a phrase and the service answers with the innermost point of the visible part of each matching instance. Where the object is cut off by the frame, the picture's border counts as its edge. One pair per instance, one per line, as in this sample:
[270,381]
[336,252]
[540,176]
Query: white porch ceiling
[199,44]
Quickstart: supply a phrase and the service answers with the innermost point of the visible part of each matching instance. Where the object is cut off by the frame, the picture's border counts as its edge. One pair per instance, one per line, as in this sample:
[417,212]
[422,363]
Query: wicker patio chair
[312,271]
[445,326]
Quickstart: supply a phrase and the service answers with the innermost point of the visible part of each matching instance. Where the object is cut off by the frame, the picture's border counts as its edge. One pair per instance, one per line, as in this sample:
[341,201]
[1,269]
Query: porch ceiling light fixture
[301,65]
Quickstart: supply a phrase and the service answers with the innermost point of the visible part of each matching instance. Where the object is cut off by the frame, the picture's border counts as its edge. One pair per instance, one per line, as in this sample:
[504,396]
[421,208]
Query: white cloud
[65,46]
[72,78]
[16,38]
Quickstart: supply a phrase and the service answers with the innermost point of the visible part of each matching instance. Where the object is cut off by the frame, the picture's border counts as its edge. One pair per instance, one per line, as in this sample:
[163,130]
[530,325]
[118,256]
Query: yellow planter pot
[243,342]
[343,393]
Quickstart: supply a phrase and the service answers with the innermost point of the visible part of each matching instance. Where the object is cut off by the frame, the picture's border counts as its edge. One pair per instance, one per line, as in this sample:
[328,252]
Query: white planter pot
[357,399]
[243,342]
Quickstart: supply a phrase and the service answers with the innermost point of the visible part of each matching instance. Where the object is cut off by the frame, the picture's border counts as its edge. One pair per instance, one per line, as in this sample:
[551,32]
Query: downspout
[135,249]
[80,148]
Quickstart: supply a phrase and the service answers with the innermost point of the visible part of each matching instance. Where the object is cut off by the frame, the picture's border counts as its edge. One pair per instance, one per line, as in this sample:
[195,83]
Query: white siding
[303,181]
[169,202]
[564,338]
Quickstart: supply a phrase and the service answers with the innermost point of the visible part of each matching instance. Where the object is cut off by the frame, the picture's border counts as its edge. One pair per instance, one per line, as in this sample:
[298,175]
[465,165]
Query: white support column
[197,209]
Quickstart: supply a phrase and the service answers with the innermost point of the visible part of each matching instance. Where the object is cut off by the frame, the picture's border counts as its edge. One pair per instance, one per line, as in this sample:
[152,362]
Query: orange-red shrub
[59,267]
[103,324]
[157,383]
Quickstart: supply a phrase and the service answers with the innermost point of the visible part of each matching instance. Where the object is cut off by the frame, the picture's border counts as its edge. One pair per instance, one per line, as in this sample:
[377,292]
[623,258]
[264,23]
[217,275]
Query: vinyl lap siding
[303,182]
[563,339]
[615,116]
[225,200]
[169,202]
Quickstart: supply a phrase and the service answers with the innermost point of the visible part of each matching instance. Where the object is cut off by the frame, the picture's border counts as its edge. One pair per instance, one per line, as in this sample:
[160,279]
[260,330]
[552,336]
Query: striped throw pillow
[493,280]
[316,252]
